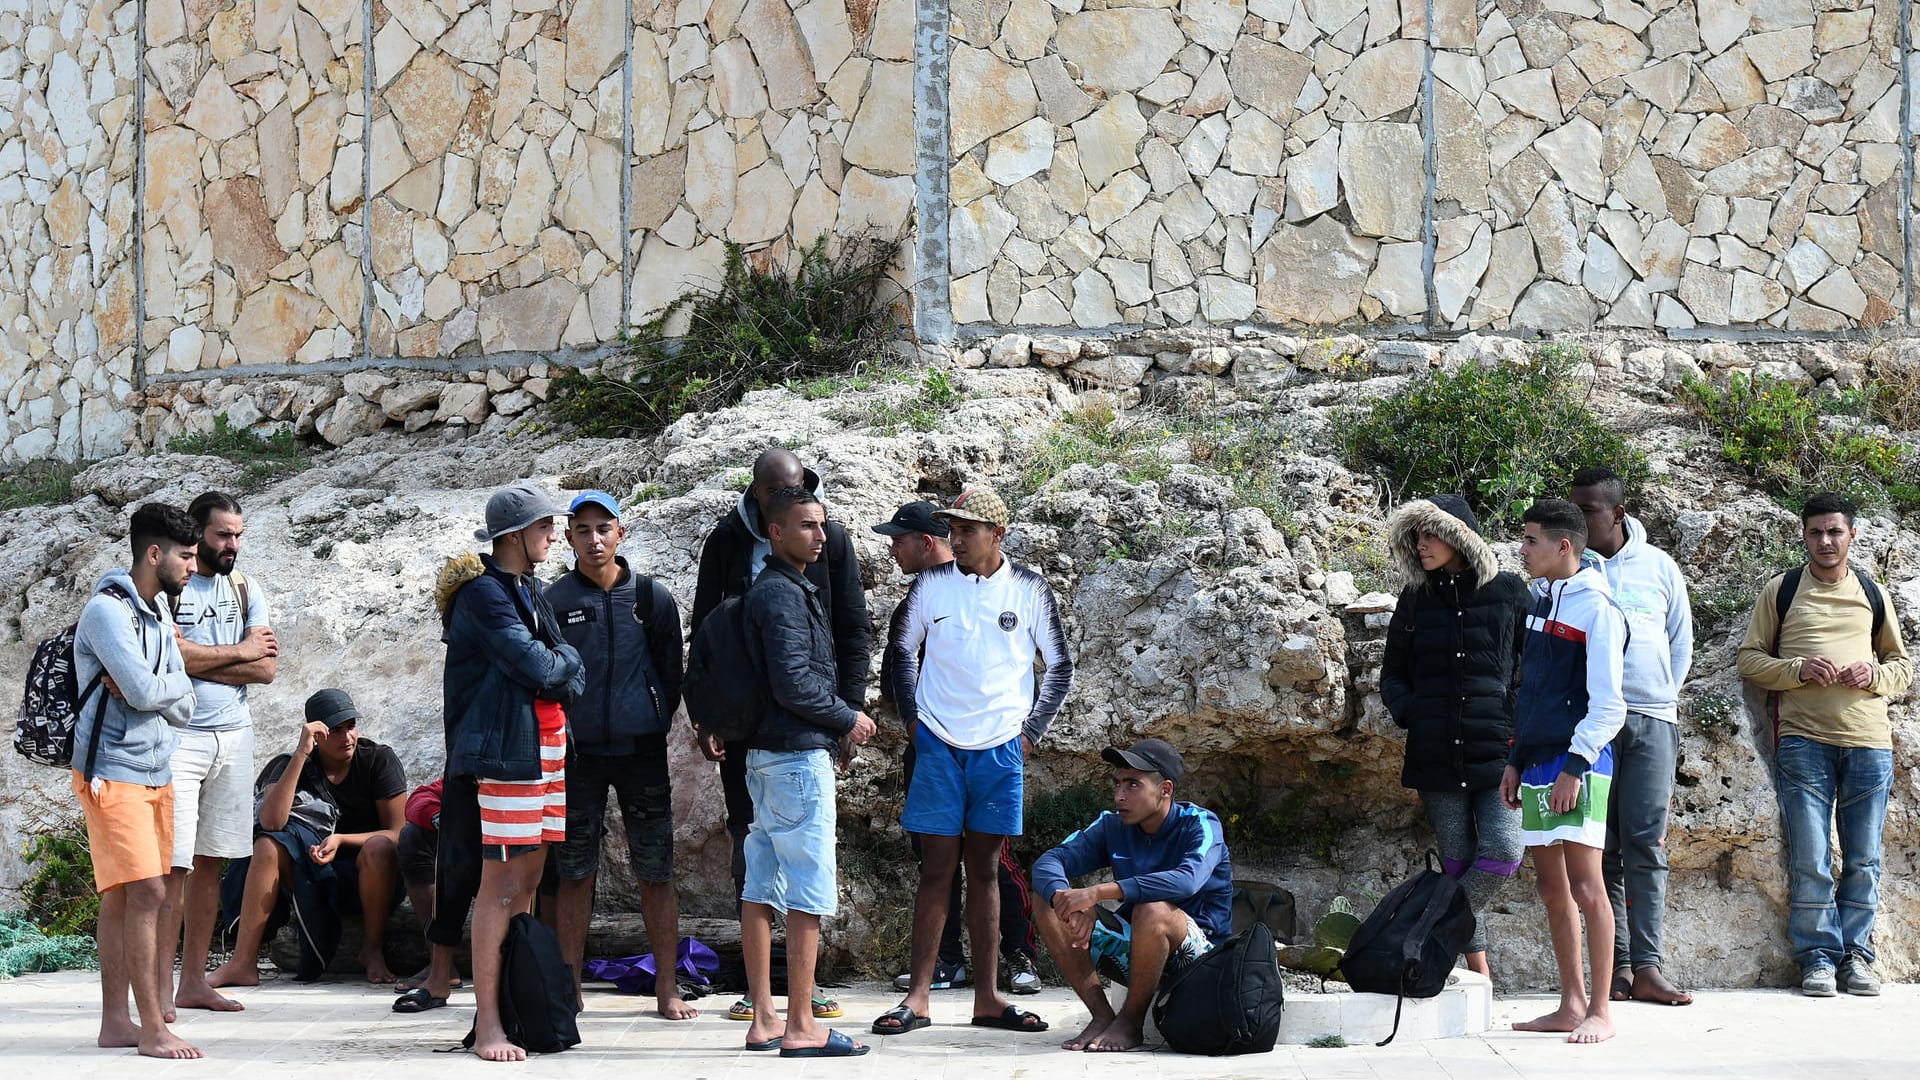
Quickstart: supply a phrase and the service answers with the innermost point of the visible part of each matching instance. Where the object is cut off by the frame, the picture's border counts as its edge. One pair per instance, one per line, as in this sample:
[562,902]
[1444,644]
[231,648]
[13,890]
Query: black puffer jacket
[1453,651]
[789,638]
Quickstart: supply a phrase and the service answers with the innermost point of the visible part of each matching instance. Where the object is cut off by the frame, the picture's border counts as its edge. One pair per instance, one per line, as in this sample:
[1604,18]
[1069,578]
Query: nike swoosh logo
[941,618]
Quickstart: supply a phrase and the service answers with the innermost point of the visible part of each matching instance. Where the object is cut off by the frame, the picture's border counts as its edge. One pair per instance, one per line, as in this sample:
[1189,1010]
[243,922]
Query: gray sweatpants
[1479,843]
[1635,862]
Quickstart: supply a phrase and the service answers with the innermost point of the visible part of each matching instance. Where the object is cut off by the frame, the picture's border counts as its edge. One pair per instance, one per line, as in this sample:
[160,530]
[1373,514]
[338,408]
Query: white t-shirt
[209,613]
[975,686]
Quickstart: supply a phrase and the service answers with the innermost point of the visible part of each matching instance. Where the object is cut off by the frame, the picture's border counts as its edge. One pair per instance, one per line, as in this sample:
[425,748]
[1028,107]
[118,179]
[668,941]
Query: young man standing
[732,557]
[918,541]
[1173,882]
[789,765]
[128,662]
[228,646]
[327,835]
[974,711]
[627,631]
[1565,716]
[1832,661]
[508,674]
[1652,593]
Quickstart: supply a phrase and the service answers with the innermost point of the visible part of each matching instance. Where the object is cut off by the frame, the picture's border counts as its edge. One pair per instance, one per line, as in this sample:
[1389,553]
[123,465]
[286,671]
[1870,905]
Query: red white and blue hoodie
[1569,700]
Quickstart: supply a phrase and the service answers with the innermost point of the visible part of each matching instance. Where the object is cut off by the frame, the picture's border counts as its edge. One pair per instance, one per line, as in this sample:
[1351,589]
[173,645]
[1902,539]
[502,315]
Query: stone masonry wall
[66,223]
[1622,164]
[313,186]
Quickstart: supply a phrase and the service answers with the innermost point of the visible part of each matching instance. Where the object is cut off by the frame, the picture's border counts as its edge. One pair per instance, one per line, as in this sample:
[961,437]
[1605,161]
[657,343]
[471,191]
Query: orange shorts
[129,830]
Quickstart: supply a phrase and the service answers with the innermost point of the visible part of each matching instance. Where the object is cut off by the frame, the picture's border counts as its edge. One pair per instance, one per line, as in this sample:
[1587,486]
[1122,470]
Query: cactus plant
[1331,936]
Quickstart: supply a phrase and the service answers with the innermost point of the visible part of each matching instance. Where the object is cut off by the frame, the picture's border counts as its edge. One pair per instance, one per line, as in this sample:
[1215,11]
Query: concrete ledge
[1465,1007]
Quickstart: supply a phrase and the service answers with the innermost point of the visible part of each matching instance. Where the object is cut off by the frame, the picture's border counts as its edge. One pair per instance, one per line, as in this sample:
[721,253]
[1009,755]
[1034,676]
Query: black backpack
[1408,946]
[537,1003]
[1226,1002]
[50,705]
[725,691]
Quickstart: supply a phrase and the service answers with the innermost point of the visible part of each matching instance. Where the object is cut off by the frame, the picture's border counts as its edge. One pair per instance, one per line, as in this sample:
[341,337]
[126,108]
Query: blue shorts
[789,847]
[1111,947]
[964,791]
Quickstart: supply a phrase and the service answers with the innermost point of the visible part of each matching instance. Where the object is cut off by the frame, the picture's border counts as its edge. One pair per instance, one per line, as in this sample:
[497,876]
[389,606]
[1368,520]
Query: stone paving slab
[345,1030]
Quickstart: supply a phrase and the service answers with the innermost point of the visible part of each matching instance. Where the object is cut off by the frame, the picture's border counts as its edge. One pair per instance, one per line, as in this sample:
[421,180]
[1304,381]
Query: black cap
[1147,755]
[911,518]
[332,708]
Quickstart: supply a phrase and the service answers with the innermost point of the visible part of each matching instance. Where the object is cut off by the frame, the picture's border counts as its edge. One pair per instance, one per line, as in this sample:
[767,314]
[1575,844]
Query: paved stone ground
[345,1030]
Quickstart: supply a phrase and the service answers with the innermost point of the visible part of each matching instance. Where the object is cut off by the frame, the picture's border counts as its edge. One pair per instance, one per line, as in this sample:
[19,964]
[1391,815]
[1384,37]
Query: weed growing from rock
[58,895]
[1500,436]
[1717,715]
[38,483]
[265,457]
[1774,433]
[828,316]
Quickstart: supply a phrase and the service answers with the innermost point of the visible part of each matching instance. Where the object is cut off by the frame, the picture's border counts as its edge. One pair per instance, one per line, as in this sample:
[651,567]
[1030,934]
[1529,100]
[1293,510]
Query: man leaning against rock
[1652,594]
[1832,662]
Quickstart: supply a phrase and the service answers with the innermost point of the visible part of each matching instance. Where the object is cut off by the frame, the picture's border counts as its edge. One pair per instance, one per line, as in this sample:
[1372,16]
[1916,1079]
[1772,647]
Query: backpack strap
[1875,600]
[93,685]
[646,605]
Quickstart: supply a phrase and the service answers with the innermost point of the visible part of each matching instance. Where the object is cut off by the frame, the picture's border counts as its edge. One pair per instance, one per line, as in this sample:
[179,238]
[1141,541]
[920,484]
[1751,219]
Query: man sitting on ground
[326,840]
[1173,882]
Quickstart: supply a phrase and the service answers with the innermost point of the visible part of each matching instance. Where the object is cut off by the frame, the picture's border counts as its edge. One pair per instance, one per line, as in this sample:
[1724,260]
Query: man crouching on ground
[1174,884]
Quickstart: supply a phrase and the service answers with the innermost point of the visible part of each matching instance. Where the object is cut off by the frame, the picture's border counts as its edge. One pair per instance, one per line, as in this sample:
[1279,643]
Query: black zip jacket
[788,636]
[724,572]
[631,646]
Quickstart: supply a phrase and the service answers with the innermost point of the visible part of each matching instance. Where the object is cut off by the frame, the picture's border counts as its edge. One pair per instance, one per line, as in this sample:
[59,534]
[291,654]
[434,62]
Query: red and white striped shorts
[527,813]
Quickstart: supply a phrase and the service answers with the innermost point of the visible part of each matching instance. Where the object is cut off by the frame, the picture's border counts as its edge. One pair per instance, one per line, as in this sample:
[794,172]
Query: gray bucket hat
[514,508]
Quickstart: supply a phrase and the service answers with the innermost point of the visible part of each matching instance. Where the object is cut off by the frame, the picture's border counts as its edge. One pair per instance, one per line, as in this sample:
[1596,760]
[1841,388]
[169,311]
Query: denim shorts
[964,791]
[789,847]
[1111,946]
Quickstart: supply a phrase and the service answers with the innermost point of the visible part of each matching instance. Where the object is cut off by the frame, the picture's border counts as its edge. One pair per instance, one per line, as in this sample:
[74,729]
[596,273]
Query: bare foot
[674,1007]
[205,997]
[234,973]
[498,1050]
[770,1029]
[423,977]
[123,1034]
[168,1045]
[377,971]
[1087,1034]
[1119,1036]
[1592,1030]
[1651,984]
[1562,1019]
[1622,987]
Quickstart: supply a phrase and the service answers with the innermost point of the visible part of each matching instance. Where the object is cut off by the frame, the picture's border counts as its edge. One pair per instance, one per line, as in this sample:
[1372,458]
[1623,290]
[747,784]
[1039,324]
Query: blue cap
[595,498]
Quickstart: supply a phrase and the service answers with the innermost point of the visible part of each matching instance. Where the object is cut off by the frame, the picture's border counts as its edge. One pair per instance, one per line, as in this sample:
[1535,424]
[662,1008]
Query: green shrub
[1772,431]
[825,317]
[38,483]
[1500,436]
[58,894]
[1727,600]
[1717,715]
[265,457]
[921,411]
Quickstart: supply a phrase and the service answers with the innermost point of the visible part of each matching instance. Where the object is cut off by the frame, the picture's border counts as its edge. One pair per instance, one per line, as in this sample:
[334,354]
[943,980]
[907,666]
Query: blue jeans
[790,845]
[1813,780]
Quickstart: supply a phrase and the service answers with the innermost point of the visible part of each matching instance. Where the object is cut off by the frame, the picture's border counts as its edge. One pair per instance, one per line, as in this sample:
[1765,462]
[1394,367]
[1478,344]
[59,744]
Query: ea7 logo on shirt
[1008,620]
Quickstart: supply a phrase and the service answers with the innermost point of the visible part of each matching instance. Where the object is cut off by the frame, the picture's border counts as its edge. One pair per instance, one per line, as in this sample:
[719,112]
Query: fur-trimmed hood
[1403,537]
[456,572]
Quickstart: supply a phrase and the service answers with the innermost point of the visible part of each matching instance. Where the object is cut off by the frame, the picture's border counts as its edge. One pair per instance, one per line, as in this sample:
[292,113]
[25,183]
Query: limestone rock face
[1192,617]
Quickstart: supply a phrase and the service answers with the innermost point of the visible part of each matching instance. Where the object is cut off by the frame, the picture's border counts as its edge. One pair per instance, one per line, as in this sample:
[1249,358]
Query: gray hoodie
[134,642]
[1648,586]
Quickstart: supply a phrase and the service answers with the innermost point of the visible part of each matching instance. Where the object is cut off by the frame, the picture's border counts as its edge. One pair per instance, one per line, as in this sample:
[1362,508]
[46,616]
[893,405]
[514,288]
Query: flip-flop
[903,1019]
[417,1000]
[770,1044]
[838,1046]
[824,1008]
[1013,1019]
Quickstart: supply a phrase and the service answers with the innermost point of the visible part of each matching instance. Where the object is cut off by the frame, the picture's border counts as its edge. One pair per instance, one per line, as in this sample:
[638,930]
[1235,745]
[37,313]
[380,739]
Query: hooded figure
[1452,658]
[1453,650]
